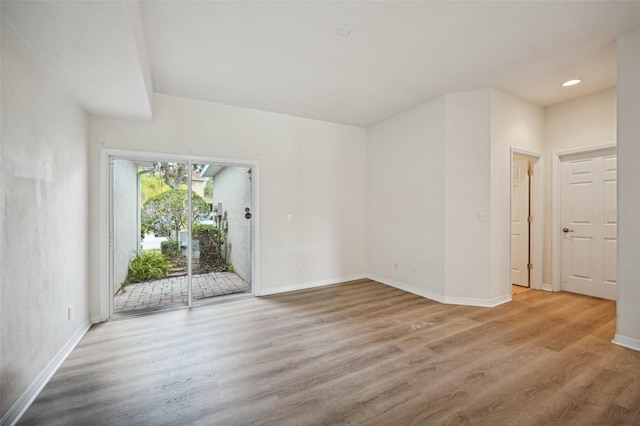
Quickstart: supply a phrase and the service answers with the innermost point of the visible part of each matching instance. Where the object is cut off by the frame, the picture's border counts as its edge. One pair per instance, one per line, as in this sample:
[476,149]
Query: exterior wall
[406,200]
[312,170]
[628,323]
[126,236]
[585,122]
[45,221]
[197,186]
[232,188]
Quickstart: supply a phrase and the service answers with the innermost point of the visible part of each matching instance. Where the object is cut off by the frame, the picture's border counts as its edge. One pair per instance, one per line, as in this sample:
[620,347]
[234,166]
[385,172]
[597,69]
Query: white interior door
[519,222]
[588,220]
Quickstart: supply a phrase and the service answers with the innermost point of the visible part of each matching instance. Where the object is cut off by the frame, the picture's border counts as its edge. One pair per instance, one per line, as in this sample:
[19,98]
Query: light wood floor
[516,289]
[354,353]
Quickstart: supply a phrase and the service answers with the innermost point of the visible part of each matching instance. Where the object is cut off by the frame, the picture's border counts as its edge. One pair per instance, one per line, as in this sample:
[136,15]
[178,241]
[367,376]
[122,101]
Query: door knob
[565,230]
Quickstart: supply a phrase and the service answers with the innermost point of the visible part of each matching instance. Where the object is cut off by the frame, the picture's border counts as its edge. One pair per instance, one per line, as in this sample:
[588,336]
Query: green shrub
[210,239]
[170,248]
[168,212]
[148,266]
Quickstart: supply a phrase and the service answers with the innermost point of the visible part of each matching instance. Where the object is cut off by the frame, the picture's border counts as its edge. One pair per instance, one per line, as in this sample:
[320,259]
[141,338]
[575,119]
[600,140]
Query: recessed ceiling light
[572,82]
[345,30]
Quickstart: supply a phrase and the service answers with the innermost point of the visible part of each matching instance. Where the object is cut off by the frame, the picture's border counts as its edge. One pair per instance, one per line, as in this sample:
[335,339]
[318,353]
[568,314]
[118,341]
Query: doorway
[180,231]
[521,218]
[526,221]
[588,222]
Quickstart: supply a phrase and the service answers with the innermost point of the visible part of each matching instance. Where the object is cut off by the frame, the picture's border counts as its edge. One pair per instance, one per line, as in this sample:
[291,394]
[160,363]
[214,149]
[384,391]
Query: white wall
[44,228]
[406,199]
[585,122]
[467,174]
[482,127]
[232,188]
[628,324]
[2,204]
[432,170]
[514,124]
[313,170]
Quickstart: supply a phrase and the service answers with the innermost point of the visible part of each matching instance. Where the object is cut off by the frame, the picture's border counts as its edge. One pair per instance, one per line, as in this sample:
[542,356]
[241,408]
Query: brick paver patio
[170,292]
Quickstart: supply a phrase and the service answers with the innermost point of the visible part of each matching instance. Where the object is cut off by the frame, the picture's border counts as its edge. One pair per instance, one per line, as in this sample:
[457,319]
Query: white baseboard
[483,303]
[18,409]
[627,342]
[312,284]
[487,303]
[547,287]
[411,289]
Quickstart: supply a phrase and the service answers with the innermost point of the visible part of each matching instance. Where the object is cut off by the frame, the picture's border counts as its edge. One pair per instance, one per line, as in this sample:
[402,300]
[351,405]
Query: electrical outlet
[69,312]
[299,267]
[395,266]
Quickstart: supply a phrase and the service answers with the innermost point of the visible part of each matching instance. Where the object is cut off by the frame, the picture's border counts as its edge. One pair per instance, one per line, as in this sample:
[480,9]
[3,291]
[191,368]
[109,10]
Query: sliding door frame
[105,286]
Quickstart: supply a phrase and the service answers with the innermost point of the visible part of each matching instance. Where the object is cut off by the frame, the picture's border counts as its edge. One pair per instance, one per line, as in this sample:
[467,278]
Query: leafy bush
[147,266]
[170,248]
[168,212]
[210,239]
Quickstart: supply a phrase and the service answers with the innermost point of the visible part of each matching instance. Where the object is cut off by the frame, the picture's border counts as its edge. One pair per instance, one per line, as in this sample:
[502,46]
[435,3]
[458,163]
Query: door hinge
[530,219]
[530,172]
[529,265]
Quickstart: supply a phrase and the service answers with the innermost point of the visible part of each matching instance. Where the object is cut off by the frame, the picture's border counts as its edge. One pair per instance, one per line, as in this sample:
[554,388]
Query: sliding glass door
[180,233]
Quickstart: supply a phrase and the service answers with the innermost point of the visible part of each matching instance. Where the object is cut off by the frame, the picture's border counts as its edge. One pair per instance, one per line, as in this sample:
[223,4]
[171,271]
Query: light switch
[482,216]
[289,218]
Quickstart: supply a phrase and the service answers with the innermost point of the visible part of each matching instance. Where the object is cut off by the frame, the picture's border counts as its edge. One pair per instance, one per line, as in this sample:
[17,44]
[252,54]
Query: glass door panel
[221,246]
[149,227]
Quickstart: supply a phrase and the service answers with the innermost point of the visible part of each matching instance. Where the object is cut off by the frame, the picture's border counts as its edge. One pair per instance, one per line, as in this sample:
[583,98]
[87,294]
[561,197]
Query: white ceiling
[95,50]
[287,57]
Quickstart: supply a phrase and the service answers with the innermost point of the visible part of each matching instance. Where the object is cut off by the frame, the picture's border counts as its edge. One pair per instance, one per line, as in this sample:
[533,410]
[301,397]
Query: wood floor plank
[353,353]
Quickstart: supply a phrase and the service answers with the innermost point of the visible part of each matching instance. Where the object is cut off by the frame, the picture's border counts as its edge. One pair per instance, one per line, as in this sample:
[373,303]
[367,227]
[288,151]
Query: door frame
[105,216]
[536,233]
[556,262]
